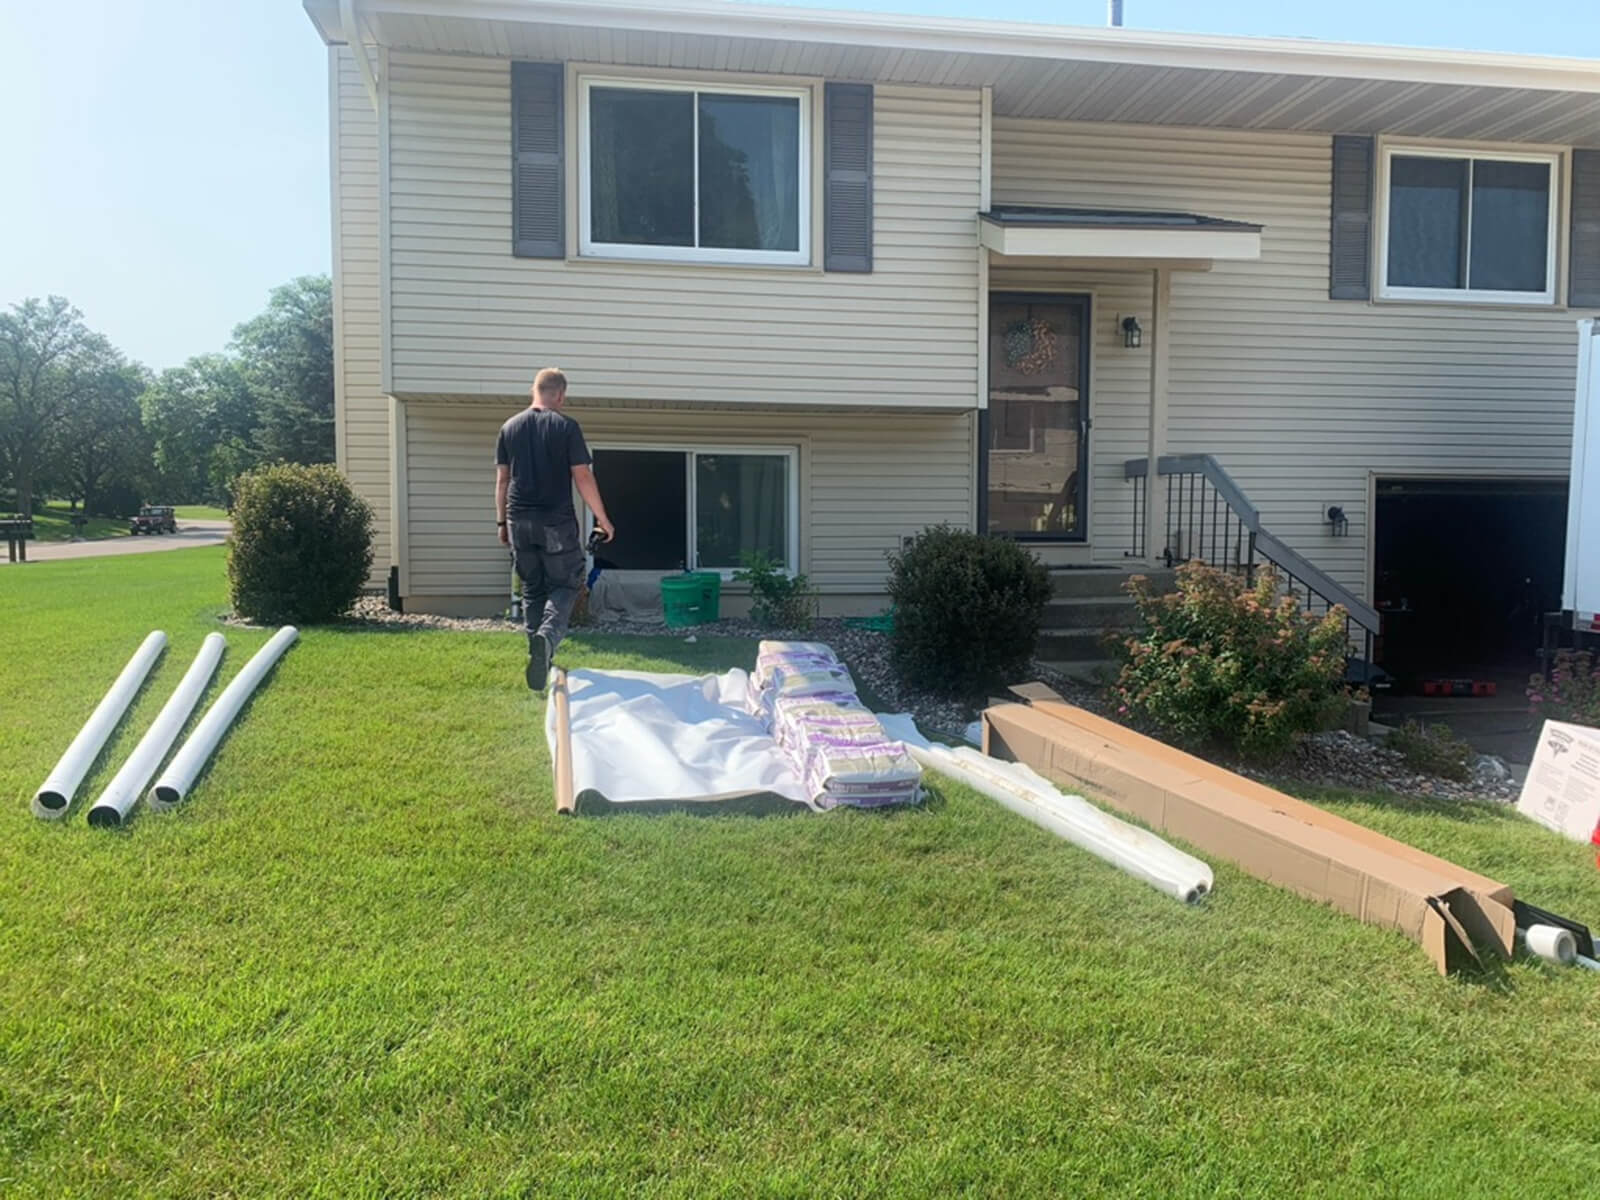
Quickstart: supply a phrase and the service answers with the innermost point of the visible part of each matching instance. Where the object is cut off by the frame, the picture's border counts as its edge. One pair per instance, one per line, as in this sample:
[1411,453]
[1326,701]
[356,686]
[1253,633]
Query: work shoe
[538,661]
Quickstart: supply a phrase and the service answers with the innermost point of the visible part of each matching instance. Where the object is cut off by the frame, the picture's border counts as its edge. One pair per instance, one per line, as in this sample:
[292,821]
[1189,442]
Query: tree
[286,354]
[201,419]
[47,363]
[99,448]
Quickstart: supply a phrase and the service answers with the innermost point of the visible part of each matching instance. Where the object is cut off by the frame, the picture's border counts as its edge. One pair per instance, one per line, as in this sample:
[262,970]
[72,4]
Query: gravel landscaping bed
[1334,760]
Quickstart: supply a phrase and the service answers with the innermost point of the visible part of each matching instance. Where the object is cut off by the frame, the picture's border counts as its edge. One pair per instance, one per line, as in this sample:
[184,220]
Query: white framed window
[682,172]
[1473,226]
[703,507]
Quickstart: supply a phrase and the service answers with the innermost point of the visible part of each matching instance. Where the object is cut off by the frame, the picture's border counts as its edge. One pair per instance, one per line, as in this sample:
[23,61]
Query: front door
[1034,433]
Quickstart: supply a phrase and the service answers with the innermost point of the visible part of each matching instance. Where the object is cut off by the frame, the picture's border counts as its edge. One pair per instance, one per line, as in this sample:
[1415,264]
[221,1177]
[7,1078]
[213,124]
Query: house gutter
[352,36]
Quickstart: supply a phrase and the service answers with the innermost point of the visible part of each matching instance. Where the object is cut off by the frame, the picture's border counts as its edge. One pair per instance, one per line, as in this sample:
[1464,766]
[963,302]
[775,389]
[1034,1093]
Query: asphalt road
[190,535]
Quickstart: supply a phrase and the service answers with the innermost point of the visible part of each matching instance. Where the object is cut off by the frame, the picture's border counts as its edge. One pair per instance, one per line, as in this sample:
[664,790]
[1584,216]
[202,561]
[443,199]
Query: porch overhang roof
[1056,72]
[1128,236]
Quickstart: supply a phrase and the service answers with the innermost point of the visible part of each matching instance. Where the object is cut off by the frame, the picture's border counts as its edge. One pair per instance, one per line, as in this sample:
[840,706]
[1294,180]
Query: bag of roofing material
[771,657]
[798,684]
[870,776]
[792,714]
[790,655]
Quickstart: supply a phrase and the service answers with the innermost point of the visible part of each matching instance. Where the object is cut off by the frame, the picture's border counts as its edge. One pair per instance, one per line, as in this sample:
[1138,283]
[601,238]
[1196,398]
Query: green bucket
[710,595]
[683,600]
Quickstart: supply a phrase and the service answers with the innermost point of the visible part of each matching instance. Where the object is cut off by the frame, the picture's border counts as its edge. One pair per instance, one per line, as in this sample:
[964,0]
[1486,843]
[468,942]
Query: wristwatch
[499,522]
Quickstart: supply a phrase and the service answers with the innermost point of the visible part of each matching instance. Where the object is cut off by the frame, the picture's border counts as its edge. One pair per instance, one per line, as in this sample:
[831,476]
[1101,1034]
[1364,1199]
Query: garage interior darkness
[1463,570]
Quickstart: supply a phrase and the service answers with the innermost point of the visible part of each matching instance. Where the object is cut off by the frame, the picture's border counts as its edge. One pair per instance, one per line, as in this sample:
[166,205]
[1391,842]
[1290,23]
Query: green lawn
[54,524]
[200,512]
[366,959]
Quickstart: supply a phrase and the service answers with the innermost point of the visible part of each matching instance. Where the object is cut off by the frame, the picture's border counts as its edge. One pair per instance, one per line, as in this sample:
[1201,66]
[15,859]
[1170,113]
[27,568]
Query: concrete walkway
[190,535]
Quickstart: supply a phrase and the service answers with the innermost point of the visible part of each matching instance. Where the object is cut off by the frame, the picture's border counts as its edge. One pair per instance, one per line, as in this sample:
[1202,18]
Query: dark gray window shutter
[538,141]
[1583,272]
[1350,237]
[847,173]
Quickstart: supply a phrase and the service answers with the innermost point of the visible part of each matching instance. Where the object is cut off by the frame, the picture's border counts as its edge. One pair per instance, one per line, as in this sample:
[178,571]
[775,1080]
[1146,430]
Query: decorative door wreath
[1030,346]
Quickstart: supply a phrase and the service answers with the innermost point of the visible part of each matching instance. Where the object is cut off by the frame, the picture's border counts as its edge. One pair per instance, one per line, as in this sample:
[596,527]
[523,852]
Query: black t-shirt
[541,447]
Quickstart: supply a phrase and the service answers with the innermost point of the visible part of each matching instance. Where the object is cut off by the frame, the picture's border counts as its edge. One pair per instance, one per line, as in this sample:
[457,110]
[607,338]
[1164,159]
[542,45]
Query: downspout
[352,36]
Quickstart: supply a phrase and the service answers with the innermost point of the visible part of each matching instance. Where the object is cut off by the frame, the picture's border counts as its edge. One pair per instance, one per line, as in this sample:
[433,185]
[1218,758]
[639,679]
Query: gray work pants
[549,561]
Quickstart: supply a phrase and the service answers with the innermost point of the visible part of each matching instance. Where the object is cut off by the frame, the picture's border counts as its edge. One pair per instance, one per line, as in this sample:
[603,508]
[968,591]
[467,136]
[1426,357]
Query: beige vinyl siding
[468,318]
[1302,399]
[361,426]
[866,481]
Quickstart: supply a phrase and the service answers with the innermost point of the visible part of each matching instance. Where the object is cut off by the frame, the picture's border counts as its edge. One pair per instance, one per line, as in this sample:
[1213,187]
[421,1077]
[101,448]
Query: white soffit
[1043,71]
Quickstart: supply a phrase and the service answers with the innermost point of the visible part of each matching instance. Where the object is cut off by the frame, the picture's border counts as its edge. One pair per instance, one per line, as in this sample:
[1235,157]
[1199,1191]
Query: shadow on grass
[1465,811]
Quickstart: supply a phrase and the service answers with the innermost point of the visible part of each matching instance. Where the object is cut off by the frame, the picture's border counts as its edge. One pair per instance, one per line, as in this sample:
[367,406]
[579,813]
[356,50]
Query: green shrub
[1572,693]
[1433,750]
[302,544]
[967,610]
[777,600]
[1221,663]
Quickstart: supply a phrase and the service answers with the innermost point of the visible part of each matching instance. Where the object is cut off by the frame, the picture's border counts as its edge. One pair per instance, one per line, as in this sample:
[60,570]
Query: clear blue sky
[166,161]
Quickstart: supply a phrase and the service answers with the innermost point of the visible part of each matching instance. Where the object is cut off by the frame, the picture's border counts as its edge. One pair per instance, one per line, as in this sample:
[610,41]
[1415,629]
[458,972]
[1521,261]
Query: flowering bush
[1572,693]
[1224,663]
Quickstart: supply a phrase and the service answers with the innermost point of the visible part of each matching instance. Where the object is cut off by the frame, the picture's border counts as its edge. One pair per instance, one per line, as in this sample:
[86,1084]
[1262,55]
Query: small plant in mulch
[1226,665]
[778,600]
[1433,750]
[1571,693]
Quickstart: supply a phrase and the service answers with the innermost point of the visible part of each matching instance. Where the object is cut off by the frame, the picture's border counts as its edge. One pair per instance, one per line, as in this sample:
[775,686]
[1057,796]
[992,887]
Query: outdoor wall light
[1338,523]
[1132,335]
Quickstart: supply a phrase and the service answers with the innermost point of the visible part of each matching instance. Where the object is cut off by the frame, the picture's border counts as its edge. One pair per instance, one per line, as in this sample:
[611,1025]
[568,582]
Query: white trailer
[1580,593]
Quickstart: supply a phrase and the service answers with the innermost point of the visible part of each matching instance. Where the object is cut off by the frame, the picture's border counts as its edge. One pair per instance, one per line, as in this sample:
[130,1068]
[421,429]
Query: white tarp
[644,740]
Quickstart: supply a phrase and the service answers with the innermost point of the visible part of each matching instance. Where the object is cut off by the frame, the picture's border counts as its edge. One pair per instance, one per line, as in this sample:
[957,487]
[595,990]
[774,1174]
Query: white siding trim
[400,491]
[986,167]
[385,256]
[340,455]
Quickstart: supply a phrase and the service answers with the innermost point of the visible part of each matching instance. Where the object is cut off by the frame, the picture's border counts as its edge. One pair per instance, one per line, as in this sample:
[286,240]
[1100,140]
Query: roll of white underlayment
[1028,794]
[1552,943]
[186,765]
[55,793]
[122,793]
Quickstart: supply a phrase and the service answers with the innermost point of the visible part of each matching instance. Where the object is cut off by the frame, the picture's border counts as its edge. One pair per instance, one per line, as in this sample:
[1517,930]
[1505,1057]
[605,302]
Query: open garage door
[1464,568]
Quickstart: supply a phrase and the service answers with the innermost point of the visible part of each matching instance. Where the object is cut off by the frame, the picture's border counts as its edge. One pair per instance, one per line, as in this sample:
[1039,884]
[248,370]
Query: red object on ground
[1458,687]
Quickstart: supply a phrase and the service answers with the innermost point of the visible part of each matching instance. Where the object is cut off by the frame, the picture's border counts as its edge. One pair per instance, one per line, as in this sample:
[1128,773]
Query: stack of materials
[805,696]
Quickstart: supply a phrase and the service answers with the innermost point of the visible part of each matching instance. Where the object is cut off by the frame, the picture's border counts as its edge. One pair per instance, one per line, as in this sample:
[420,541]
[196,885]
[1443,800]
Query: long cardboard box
[1451,912]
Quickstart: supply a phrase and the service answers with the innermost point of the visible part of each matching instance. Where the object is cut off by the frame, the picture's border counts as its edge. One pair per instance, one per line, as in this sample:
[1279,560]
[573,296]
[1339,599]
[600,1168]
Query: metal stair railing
[1209,517]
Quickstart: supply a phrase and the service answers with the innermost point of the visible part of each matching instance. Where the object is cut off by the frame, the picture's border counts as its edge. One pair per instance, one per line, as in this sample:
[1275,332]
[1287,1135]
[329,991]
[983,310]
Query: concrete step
[1090,612]
[1103,582]
[1072,645]
[1095,671]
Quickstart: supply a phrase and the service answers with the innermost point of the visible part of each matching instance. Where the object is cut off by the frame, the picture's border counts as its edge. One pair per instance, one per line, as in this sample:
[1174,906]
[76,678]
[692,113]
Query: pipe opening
[51,800]
[104,817]
[168,795]
[1195,894]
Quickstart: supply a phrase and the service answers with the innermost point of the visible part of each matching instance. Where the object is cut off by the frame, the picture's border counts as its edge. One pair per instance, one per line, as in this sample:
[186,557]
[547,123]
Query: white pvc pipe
[185,766]
[122,793]
[57,791]
[1551,943]
[1025,792]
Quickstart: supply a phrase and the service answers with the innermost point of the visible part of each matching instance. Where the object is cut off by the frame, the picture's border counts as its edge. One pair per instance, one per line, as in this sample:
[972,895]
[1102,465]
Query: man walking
[539,455]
